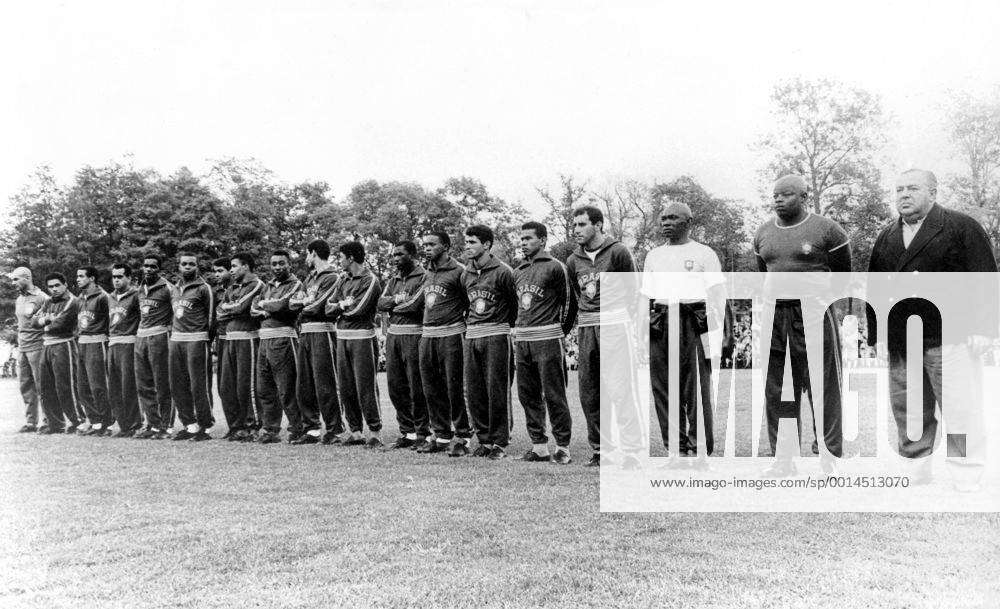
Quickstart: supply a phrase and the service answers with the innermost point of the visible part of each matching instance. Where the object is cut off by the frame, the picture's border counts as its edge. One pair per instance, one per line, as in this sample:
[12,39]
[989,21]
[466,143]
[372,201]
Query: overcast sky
[511,93]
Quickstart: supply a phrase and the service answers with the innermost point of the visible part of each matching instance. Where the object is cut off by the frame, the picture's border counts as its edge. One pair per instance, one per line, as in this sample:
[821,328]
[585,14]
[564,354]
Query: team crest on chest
[807,248]
[144,309]
[689,265]
[526,301]
[429,301]
[590,289]
[179,312]
[480,305]
[117,317]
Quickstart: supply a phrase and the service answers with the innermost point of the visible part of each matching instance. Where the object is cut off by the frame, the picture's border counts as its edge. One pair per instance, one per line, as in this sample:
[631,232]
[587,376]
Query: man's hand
[400,297]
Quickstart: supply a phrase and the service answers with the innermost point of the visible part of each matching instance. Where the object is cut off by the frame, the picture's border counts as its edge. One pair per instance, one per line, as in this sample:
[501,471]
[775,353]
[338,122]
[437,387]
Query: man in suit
[930,238]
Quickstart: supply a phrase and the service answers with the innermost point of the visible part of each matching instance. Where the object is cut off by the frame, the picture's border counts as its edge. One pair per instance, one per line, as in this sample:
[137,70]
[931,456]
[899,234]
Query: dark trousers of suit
[487,382]
[541,386]
[122,395]
[29,375]
[92,382]
[277,375]
[60,401]
[190,382]
[152,379]
[789,334]
[610,383]
[238,383]
[357,362]
[318,382]
[406,391]
[442,375]
[695,381]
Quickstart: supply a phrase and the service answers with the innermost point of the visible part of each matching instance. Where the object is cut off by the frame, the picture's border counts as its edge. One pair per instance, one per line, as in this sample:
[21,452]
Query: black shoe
[28,429]
[72,429]
[267,437]
[402,442]
[124,433]
[418,444]
[144,434]
[201,436]
[229,435]
[374,443]
[354,441]
[482,451]
[496,454]
[595,461]
[433,446]
[304,439]
[331,438]
[459,449]
[46,430]
[561,456]
[295,435]
[532,457]
[780,469]
[183,434]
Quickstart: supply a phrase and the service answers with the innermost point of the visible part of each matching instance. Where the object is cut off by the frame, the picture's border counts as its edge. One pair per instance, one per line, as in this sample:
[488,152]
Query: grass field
[97,522]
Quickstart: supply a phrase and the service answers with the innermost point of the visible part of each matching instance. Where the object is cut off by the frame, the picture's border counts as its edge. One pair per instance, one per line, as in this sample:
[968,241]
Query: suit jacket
[947,241]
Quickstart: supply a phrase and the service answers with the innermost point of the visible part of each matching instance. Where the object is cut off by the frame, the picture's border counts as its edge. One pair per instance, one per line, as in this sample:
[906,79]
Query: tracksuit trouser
[190,382]
[29,375]
[277,375]
[441,373]
[238,383]
[357,361]
[152,379]
[318,382]
[122,394]
[611,383]
[406,391]
[788,334]
[60,402]
[487,380]
[541,385]
[692,362]
[92,382]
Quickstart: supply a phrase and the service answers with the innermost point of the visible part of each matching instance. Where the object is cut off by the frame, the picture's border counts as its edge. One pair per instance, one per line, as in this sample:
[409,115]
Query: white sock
[193,428]
[411,436]
[443,441]
[542,450]
[97,426]
[313,432]
[565,449]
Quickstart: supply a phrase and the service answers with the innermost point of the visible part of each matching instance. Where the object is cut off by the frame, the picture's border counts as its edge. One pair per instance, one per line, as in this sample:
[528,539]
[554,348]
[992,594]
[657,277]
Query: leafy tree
[572,193]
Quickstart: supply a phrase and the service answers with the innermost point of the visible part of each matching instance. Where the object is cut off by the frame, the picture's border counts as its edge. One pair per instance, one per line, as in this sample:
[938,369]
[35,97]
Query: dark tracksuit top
[492,298]
[123,323]
[402,350]
[238,357]
[441,361]
[354,305]
[277,364]
[59,360]
[317,353]
[546,311]
[190,360]
[91,372]
[611,257]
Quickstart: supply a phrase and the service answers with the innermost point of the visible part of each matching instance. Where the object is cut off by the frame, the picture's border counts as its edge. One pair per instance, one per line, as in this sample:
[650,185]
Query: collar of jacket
[491,263]
[160,282]
[98,292]
[247,280]
[290,279]
[418,270]
[119,295]
[197,281]
[933,218]
[328,269]
[580,252]
[447,265]
[67,295]
[539,257]
[365,271]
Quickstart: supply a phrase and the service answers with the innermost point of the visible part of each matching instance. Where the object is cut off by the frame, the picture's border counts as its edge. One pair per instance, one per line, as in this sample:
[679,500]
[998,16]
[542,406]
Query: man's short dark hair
[481,232]
[89,271]
[187,254]
[55,277]
[353,250]
[156,257]
[222,263]
[282,253]
[594,214]
[319,247]
[245,259]
[123,267]
[408,246]
[442,237]
[540,231]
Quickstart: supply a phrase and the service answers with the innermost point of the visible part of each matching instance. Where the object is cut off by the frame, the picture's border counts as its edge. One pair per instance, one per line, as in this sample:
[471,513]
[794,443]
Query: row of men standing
[307,349]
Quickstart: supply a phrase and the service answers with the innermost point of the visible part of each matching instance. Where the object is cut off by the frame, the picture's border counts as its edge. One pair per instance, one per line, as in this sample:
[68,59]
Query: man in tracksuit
[353,304]
[598,254]
[492,295]
[278,360]
[92,353]
[317,349]
[30,300]
[189,349]
[445,306]
[123,305]
[238,356]
[58,379]
[403,300]
[152,360]
[547,308]
[219,280]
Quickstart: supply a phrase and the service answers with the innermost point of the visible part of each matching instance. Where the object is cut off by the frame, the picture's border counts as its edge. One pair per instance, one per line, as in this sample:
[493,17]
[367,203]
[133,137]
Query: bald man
[702,307]
[798,240]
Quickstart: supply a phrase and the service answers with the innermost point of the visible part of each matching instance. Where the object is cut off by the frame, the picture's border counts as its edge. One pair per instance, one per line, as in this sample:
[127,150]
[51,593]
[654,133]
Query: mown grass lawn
[96,522]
